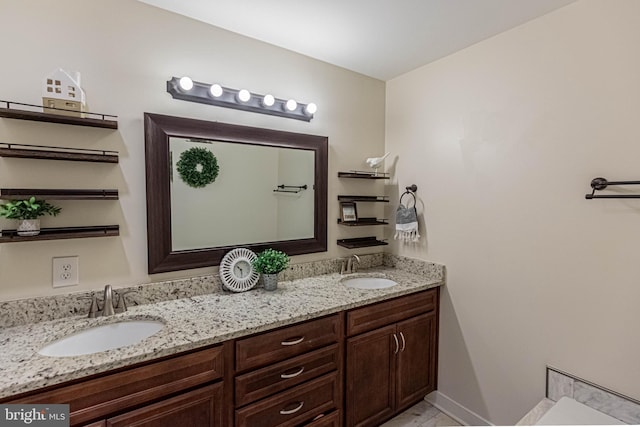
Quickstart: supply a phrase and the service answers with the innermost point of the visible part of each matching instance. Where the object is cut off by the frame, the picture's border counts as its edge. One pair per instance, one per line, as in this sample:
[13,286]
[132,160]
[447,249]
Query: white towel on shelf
[407,224]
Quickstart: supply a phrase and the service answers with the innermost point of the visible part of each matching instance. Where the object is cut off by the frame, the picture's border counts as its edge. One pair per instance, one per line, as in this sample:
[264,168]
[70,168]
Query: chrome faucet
[348,265]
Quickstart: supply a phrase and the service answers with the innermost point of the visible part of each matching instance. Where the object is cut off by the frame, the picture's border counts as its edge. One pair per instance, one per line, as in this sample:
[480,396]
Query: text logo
[34,415]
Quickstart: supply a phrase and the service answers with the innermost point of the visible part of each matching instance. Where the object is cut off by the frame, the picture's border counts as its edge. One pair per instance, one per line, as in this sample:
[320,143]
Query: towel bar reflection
[598,184]
[296,188]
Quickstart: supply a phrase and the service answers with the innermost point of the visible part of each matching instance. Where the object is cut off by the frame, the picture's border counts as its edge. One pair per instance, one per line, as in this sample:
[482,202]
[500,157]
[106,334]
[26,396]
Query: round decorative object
[198,167]
[236,271]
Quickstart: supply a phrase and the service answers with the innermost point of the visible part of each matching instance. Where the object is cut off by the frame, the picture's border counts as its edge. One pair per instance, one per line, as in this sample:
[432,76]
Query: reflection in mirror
[245,194]
[191,227]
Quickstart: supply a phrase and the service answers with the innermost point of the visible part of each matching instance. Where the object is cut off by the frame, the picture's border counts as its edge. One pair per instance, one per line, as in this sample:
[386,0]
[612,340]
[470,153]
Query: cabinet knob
[295,374]
[292,411]
[395,337]
[404,343]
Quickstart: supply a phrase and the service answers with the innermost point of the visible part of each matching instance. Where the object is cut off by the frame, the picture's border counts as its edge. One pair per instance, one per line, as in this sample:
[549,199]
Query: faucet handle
[94,308]
[343,266]
[122,301]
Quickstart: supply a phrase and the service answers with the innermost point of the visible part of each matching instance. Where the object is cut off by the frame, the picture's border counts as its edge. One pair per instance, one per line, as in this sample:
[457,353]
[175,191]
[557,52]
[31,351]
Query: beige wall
[503,139]
[126,51]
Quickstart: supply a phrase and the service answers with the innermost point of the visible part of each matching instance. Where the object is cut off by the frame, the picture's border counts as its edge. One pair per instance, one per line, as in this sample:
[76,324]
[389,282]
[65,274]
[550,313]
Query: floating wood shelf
[97,120]
[363,175]
[11,236]
[55,194]
[343,198]
[360,242]
[363,222]
[57,153]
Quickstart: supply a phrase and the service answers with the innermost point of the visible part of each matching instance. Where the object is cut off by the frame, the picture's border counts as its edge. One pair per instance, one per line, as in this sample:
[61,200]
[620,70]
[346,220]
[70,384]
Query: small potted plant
[269,263]
[28,212]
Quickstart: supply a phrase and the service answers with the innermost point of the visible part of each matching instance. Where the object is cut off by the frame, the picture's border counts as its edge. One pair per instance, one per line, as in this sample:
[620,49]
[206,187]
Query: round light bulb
[244,95]
[215,90]
[268,100]
[186,83]
[311,109]
[292,105]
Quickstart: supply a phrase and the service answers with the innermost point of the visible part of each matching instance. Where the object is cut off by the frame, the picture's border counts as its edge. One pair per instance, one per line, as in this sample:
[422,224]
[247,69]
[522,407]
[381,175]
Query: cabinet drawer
[384,313]
[271,347]
[275,378]
[293,407]
[115,392]
[201,408]
[329,420]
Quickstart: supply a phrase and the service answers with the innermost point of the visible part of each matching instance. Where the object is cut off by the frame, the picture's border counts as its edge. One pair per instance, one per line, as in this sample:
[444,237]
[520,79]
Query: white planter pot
[29,227]
[270,281]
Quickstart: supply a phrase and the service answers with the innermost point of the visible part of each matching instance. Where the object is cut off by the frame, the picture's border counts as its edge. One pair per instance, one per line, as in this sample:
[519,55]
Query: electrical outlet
[65,271]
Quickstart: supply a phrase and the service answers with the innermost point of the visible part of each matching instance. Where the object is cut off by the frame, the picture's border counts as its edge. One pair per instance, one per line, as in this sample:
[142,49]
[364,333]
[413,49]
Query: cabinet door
[416,370]
[201,407]
[371,377]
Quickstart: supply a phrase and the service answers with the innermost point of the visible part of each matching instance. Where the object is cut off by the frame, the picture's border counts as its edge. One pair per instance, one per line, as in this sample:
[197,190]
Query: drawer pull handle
[404,343]
[294,342]
[292,411]
[395,337]
[295,374]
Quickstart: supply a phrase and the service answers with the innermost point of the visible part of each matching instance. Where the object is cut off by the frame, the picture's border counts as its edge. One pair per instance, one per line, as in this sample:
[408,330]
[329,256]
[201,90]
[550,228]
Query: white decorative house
[62,91]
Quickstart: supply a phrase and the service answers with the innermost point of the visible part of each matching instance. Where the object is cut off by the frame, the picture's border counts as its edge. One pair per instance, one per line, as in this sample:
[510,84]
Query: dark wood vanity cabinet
[389,368]
[158,393]
[354,368]
[291,376]
[201,407]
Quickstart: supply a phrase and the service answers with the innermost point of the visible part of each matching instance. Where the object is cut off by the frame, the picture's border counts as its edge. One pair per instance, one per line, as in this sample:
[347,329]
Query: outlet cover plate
[65,271]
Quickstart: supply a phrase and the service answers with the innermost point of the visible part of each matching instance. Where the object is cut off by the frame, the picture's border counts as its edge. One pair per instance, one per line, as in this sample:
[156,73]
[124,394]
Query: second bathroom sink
[368,282]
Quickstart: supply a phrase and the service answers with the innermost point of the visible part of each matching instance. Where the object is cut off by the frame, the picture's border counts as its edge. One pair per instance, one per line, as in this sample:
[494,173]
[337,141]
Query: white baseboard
[455,410]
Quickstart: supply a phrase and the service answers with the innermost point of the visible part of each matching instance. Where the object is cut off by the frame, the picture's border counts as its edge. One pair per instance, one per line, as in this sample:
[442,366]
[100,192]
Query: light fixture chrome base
[200,92]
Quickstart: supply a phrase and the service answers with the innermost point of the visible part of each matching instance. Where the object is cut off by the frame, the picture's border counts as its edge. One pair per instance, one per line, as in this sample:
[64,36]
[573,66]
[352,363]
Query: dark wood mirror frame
[158,130]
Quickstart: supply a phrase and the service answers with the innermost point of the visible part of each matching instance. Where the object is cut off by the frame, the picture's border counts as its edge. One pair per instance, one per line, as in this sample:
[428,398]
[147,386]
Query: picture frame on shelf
[348,212]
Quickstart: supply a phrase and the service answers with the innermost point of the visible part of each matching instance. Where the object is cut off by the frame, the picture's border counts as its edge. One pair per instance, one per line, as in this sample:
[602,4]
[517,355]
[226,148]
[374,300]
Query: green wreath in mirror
[198,167]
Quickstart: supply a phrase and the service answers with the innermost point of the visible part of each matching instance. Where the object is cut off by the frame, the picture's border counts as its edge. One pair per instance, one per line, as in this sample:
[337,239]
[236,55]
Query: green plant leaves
[270,261]
[28,209]
[198,167]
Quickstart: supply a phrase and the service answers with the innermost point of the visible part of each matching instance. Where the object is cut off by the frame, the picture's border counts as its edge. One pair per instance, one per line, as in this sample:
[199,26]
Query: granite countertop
[190,323]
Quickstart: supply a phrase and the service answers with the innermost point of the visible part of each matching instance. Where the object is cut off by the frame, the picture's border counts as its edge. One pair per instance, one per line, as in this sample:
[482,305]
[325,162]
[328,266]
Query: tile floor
[422,414]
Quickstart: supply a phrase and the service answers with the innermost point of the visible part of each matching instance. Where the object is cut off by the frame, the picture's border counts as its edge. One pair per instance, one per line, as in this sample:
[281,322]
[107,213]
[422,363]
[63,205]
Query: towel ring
[410,190]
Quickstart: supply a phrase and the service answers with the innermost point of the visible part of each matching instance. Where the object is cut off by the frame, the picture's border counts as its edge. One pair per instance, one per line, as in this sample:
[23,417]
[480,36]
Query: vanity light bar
[241,99]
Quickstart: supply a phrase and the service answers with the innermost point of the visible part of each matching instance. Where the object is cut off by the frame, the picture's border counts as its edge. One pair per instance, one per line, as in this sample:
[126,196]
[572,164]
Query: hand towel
[407,224]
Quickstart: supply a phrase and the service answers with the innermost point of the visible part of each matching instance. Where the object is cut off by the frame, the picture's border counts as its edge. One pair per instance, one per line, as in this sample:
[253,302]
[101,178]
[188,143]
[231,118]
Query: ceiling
[379,38]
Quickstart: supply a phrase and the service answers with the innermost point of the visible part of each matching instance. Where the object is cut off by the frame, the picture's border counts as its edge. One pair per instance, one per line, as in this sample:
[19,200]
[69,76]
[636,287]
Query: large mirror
[214,186]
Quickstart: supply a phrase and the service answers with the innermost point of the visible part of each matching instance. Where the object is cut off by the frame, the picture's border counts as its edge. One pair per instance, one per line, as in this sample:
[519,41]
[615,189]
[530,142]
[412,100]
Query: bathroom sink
[368,282]
[102,338]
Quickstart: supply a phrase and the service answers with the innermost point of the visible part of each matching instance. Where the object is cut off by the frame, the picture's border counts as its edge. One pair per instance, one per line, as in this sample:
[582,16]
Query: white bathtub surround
[568,411]
[618,407]
[561,384]
[533,416]
[558,385]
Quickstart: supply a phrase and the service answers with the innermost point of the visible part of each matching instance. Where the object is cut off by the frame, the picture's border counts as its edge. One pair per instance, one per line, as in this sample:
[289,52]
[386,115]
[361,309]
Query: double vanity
[317,351]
